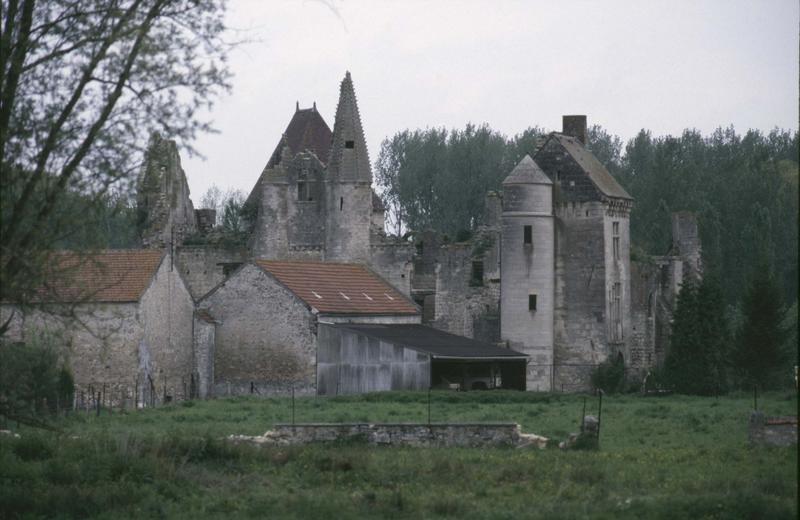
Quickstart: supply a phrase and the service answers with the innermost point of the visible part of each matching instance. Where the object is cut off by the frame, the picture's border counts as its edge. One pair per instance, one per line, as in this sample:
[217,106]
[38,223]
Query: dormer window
[350,144]
[302,191]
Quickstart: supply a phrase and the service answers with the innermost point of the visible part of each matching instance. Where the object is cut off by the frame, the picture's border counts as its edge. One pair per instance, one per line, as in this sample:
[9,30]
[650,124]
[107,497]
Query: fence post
[97,402]
[292,404]
[429,405]
[599,416]
[583,415]
[755,397]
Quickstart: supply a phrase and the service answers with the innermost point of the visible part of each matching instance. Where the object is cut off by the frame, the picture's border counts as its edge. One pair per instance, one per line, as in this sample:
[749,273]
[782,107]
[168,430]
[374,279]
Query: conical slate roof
[527,172]
[348,160]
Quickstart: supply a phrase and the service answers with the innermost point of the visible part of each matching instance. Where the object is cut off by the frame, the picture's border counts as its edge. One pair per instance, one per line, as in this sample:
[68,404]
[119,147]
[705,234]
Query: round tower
[527,281]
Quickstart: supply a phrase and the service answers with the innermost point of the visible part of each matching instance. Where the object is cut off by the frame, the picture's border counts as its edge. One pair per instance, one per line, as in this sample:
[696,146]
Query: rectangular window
[615,239]
[349,144]
[528,235]
[477,274]
[616,312]
[302,191]
[531,302]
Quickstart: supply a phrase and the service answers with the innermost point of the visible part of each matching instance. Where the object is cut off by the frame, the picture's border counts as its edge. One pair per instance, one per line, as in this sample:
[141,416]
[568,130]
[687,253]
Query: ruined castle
[543,292]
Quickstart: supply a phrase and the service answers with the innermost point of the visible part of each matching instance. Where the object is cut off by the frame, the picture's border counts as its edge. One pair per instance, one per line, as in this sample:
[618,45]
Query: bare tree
[82,85]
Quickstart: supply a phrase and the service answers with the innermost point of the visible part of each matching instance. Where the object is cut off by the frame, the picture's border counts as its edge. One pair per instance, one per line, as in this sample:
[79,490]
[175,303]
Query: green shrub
[609,375]
[31,381]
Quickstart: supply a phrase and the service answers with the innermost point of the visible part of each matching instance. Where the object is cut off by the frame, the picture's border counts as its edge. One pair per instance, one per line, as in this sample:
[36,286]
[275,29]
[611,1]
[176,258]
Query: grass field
[667,457]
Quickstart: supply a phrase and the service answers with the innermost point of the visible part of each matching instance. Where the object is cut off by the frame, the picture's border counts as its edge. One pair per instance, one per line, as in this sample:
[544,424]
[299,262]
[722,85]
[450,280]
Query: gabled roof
[333,288]
[597,173]
[112,276]
[527,172]
[437,343]
[306,131]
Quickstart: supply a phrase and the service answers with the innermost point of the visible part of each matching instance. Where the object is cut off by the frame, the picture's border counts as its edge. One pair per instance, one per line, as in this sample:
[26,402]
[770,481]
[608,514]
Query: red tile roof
[339,288]
[108,276]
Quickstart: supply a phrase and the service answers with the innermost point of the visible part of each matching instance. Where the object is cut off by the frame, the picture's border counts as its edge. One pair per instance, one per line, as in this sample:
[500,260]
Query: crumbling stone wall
[467,305]
[393,262]
[465,435]
[166,214]
[205,267]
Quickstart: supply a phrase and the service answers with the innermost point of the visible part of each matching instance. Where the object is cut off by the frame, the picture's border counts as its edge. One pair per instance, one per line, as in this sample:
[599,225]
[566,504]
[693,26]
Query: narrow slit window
[350,144]
[477,274]
[341,203]
[302,191]
[528,235]
[531,302]
[615,239]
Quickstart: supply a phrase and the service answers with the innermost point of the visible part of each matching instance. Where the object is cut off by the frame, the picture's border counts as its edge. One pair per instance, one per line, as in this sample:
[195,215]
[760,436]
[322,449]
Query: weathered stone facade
[166,214]
[135,352]
[548,273]
[263,340]
[565,288]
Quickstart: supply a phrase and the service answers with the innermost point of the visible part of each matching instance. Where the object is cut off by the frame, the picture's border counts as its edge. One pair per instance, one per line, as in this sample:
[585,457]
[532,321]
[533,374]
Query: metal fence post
[429,406]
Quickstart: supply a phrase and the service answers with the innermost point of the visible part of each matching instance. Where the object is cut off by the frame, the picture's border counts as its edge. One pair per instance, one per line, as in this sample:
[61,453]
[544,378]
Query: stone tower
[527,281]
[592,261]
[349,180]
[165,212]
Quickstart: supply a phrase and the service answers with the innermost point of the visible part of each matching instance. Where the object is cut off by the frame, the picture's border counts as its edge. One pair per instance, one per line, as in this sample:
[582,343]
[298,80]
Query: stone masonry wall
[98,342]
[401,434]
[203,267]
[165,351]
[393,263]
[265,336]
[464,305]
[580,312]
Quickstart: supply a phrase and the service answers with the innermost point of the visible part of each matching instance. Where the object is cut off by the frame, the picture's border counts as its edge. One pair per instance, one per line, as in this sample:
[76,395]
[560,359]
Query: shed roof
[334,288]
[114,276]
[437,343]
[595,170]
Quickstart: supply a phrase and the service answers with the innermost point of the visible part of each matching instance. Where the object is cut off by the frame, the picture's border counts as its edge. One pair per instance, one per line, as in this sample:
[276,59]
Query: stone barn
[257,331]
[121,321]
[354,358]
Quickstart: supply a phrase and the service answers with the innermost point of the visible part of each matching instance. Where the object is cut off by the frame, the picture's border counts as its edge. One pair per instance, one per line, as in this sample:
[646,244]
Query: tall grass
[675,457]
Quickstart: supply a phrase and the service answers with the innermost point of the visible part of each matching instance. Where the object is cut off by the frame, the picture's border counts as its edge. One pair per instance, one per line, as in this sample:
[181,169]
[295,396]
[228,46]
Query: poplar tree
[759,341]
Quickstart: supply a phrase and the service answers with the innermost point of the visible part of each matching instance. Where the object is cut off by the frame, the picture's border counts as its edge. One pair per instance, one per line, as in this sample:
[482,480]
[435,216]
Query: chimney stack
[575,126]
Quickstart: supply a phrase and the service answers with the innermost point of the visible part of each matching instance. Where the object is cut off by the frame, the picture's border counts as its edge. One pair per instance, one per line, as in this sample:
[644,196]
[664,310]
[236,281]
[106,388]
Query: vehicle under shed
[357,358]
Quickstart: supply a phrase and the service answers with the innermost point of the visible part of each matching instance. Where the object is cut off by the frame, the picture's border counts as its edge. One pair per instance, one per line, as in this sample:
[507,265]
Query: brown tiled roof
[306,131]
[339,288]
[108,276]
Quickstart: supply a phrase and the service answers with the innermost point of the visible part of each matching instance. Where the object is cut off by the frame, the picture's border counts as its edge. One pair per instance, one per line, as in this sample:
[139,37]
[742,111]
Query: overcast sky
[661,65]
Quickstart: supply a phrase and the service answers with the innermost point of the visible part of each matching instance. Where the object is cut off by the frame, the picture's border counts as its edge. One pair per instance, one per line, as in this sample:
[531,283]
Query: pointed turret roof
[348,160]
[527,172]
